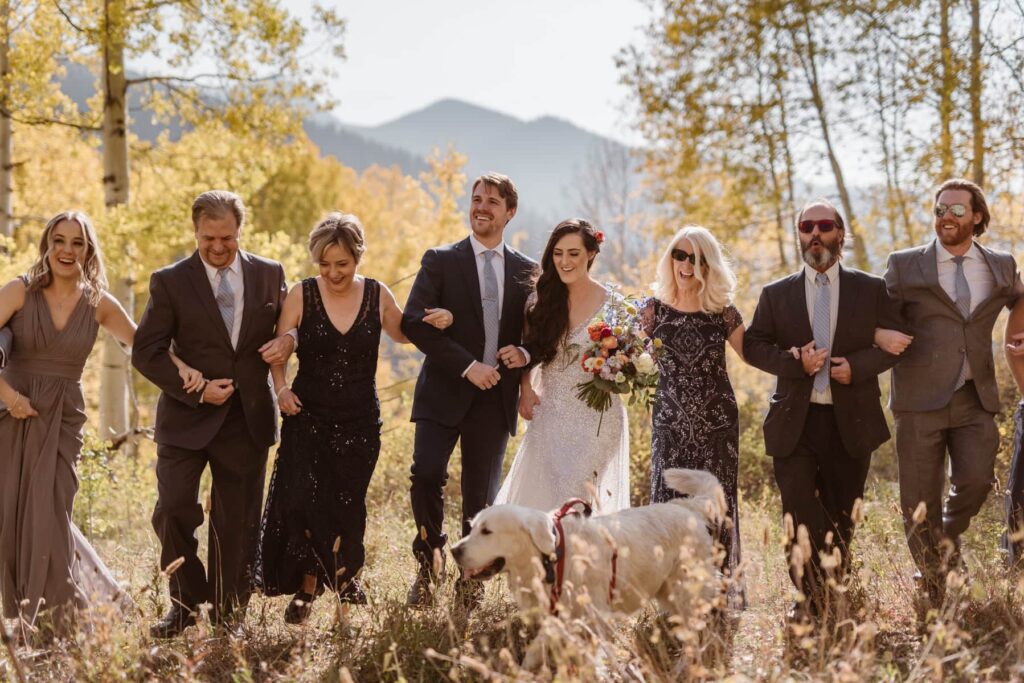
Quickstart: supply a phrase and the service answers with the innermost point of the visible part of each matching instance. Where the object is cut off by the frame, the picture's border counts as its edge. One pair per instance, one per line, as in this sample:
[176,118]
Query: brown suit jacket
[182,314]
[928,369]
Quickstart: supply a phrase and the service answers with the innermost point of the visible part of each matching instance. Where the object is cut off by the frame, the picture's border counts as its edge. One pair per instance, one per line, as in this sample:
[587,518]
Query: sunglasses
[683,255]
[807,227]
[958,210]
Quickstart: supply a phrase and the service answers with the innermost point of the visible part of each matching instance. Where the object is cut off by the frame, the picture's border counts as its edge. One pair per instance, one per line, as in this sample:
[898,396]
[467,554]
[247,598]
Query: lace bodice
[570,450]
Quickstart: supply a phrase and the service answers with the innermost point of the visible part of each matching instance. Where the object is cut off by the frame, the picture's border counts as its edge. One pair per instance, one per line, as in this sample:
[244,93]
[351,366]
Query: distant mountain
[358,151]
[546,157]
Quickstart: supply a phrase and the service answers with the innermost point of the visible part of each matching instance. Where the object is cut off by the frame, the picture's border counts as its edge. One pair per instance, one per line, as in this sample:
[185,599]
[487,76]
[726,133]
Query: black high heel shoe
[299,608]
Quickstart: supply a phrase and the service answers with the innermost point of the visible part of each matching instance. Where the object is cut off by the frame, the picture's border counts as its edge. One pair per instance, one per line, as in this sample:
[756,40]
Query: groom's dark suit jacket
[182,314]
[781,321]
[448,279]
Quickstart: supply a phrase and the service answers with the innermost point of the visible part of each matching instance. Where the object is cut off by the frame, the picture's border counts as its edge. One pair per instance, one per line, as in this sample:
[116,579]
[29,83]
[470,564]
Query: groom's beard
[821,259]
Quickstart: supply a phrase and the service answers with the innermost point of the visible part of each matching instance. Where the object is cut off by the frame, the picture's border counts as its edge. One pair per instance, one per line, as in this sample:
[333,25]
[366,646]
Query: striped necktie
[226,300]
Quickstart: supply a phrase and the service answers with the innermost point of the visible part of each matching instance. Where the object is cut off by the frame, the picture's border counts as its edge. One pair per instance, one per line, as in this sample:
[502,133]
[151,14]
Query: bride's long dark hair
[547,320]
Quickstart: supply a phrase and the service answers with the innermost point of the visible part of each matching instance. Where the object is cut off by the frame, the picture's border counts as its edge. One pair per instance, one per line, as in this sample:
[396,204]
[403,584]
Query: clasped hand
[214,391]
[813,360]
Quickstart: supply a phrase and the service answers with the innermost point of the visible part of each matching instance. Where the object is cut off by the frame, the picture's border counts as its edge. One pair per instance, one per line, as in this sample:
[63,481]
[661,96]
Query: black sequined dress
[695,422]
[328,452]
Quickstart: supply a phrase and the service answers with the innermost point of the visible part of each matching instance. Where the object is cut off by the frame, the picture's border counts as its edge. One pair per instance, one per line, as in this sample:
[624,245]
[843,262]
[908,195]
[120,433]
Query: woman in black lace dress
[315,517]
[695,419]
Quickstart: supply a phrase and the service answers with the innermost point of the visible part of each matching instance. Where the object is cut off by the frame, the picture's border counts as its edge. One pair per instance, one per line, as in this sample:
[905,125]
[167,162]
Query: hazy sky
[527,58]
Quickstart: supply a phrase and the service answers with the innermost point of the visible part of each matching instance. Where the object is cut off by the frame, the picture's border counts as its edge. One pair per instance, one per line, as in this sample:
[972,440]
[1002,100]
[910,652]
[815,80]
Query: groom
[468,387]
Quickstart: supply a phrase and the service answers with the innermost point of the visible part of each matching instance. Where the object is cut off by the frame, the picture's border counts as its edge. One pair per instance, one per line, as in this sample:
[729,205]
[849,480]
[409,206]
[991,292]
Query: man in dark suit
[468,387]
[824,419]
[944,394]
[217,310]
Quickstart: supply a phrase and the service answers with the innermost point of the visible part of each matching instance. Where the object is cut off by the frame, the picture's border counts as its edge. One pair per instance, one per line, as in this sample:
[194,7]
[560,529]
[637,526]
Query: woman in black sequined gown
[315,518]
[695,418]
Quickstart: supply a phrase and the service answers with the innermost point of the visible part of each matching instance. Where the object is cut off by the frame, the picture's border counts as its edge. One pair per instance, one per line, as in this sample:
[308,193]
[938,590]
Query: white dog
[567,562]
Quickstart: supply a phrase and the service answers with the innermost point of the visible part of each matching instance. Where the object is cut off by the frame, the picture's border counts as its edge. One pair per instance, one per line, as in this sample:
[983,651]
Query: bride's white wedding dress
[562,456]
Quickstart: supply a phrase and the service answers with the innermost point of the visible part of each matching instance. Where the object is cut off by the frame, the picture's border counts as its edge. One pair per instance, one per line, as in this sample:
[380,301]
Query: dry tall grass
[979,634]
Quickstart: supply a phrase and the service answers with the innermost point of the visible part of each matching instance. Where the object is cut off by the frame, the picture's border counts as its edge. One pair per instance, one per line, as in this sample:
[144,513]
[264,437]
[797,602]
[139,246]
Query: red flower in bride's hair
[599,236]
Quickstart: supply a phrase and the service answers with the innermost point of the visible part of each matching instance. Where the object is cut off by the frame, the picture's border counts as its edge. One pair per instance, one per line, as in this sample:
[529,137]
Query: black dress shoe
[176,620]
[352,593]
[468,594]
[421,592]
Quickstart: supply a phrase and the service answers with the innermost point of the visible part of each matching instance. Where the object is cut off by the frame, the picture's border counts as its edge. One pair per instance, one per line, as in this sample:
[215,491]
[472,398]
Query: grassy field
[978,635]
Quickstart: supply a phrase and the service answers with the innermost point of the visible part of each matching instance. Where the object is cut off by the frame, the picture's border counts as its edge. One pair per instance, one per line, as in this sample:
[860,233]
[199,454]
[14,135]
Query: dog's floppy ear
[539,527]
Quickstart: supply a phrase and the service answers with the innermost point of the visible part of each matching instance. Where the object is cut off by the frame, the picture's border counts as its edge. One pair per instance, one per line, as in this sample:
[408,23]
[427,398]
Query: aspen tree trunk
[947,88]
[780,224]
[887,155]
[787,155]
[977,123]
[808,61]
[116,372]
[6,132]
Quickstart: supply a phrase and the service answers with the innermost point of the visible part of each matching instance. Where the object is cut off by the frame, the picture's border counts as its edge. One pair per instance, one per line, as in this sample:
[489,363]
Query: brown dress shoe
[421,592]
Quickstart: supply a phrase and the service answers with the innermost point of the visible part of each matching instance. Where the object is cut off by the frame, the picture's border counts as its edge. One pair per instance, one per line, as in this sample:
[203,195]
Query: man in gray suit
[944,395]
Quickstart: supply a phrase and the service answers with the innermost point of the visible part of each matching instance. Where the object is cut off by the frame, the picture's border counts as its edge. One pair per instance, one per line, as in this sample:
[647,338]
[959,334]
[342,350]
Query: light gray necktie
[226,300]
[822,328]
[490,306]
[963,302]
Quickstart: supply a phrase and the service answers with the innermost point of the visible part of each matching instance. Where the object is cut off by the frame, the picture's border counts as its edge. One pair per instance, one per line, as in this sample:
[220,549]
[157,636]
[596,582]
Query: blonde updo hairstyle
[343,229]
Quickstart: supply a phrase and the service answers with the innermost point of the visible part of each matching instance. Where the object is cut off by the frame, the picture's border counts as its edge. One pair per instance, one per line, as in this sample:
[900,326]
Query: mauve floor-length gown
[45,561]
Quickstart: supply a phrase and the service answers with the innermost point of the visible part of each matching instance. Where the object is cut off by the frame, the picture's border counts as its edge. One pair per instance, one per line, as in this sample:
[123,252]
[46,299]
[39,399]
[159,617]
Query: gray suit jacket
[6,338]
[925,376]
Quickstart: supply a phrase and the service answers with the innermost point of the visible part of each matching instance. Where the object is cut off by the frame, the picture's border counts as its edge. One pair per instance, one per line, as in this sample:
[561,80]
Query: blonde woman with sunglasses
[695,418]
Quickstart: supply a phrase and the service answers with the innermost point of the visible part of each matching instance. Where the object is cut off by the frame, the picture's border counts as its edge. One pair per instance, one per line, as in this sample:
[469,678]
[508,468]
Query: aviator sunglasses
[958,210]
[683,255]
[807,227]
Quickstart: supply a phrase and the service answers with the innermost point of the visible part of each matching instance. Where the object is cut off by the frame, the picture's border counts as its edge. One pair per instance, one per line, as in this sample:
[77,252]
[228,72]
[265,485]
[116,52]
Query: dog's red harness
[556,570]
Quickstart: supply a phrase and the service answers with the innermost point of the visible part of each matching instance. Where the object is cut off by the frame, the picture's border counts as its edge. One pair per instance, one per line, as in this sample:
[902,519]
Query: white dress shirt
[811,289]
[498,263]
[234,276]
[980,280]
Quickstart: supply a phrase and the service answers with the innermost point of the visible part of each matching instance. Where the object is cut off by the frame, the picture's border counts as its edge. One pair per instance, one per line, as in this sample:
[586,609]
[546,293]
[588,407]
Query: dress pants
[819,483]
[483,434]
[969,433]
[238,467]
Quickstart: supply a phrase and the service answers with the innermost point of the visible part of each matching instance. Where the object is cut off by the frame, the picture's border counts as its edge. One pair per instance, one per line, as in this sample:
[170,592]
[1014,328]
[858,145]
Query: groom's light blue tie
[822,328]
[963,303]
[226,300]
[490,306]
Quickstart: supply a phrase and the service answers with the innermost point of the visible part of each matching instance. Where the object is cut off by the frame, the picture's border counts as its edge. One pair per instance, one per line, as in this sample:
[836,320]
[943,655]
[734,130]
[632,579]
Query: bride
[562,455]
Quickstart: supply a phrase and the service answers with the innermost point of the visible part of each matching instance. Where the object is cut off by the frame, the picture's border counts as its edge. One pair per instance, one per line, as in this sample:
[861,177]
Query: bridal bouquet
[620,358]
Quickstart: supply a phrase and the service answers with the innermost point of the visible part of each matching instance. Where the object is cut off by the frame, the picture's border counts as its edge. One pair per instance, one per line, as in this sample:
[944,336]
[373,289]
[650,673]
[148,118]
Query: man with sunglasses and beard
[824,420]
[944,394]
